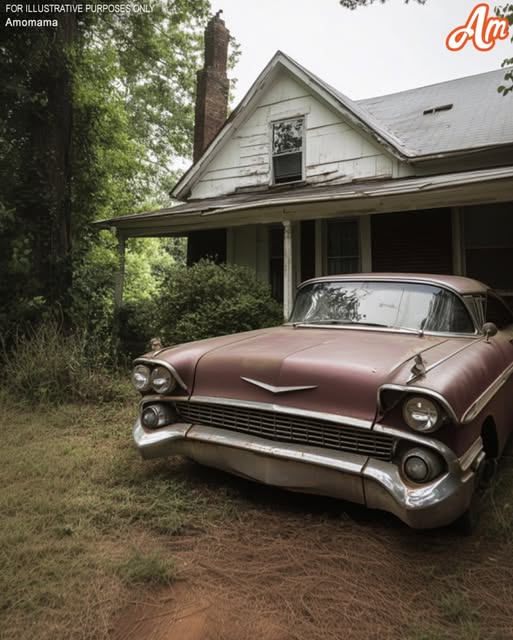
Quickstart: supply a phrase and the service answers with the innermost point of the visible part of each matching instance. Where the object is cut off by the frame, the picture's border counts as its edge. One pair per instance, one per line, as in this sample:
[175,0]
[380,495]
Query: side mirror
[489,329]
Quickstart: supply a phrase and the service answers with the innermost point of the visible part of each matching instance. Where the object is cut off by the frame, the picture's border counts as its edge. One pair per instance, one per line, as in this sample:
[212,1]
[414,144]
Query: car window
[390,304]
[497,312]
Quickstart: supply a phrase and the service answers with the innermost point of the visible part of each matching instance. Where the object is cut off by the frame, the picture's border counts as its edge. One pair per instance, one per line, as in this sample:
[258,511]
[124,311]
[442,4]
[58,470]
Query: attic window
[442,107]
[287,151]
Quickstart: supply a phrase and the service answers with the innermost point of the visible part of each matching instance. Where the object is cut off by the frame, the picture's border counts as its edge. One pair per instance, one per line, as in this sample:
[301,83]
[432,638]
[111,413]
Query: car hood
[341,368]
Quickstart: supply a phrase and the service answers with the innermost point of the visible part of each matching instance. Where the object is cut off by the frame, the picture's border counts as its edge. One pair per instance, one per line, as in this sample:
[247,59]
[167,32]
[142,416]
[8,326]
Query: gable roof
[347,108]
[479,117]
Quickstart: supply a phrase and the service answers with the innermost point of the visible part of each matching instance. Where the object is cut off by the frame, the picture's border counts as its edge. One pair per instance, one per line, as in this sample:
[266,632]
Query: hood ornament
[273,389]
[418,369]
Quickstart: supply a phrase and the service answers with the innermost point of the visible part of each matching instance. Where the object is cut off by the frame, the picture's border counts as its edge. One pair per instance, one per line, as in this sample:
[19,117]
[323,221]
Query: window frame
[492,295]
[325,233]
[272,123]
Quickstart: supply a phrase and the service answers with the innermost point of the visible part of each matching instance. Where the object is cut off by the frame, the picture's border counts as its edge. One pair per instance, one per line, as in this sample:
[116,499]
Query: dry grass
[88,529]
[83,521]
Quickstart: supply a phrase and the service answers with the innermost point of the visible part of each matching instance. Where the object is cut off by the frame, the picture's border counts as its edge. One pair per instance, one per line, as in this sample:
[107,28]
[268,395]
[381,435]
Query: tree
[354,4]
[97,110]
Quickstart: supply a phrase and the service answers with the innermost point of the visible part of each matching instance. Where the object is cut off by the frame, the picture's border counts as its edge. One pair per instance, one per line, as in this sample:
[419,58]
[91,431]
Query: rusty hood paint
[345,367]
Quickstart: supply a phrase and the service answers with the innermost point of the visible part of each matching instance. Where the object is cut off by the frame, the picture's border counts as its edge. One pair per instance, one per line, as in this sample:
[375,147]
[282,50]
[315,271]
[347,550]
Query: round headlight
[421,414]
[158,415]
[162,381]
[141,378]
[422,465]
[416,469]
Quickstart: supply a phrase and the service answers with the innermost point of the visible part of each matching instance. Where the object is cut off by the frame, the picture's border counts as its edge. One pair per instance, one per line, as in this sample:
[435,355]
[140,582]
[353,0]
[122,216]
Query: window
[276,262]
[343,247]
[287,151]
[497,312]
[385,304]
[488,233]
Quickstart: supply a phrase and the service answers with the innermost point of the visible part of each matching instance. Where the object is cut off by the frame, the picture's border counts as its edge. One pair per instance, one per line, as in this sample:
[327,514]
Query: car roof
[456,283]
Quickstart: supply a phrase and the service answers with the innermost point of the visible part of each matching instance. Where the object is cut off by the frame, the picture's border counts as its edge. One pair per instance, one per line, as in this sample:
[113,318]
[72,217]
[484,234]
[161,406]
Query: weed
[456,608]
[47,366]
[147,569]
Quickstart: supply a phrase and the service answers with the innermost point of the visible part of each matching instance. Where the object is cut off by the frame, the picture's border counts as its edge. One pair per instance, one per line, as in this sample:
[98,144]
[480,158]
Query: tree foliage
[354,4]
[96,113]
[507,12]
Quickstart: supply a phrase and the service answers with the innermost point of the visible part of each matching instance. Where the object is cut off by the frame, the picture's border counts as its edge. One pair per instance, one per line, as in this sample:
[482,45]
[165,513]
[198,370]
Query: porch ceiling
[308,202]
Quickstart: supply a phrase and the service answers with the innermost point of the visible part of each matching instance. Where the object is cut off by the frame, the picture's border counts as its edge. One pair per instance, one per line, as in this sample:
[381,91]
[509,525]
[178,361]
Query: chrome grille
[290,428]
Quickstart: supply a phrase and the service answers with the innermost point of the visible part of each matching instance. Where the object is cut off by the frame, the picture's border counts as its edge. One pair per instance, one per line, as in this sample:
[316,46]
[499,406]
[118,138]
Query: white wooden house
[301,181]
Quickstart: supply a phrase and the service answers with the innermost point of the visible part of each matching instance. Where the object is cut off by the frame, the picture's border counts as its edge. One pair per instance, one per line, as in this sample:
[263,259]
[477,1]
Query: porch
[460,223]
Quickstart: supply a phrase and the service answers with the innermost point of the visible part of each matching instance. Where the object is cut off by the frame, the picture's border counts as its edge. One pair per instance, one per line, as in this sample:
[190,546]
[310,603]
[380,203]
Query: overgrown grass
[47,366]
[84,520]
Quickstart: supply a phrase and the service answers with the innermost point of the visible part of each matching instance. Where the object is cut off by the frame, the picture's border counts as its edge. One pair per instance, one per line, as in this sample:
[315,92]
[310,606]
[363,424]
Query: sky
[368,52]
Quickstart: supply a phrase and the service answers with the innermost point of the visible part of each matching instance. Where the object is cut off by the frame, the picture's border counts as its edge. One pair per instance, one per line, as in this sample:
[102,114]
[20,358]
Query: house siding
[334,149]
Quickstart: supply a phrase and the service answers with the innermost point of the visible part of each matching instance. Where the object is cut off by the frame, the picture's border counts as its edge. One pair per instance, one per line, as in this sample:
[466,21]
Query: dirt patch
[166,614]
[289,567]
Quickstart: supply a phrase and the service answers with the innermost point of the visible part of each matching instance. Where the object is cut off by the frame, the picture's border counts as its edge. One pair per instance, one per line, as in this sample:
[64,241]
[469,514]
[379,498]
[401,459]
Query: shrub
[137,324]
[48,366]
[208,300]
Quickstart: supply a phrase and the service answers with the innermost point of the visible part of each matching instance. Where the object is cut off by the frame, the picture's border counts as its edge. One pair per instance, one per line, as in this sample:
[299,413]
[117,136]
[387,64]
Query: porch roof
[275,204]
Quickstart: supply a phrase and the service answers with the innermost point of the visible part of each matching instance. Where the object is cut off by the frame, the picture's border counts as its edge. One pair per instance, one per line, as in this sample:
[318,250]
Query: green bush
[137,324]
[208,300]
[48,366]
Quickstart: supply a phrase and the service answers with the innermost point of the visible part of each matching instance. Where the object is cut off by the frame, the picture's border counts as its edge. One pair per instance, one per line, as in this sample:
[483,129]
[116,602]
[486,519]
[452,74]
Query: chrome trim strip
[450,355]
[318,415]
[422,391]
[272,389]
[358,277]
[163,363]
[341,461]
[471,454]
[419,439]
[160,398]
[476,407]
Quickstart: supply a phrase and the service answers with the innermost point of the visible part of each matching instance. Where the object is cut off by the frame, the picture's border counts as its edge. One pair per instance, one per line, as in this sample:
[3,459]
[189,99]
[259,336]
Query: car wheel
[468,521]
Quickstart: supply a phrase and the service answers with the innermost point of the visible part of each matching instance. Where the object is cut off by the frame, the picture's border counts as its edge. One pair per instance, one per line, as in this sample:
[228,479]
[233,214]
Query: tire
[467,523]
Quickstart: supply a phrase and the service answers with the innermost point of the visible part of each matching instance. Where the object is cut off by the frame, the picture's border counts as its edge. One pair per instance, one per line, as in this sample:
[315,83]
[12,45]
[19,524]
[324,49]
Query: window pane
[488,233]
[288,136]
[343,247]
[411,306]
[276,262]
[287,168]
[497,313]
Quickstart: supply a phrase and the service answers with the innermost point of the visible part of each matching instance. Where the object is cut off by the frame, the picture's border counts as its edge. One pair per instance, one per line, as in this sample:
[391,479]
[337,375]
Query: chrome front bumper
[357,478]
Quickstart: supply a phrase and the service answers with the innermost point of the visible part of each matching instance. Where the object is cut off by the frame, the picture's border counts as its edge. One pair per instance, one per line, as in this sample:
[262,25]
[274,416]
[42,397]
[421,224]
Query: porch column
[119,278]
[458,251]
[288,269]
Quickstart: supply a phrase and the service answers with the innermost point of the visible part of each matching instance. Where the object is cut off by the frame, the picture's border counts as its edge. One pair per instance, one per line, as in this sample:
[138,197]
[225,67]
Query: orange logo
[481,28]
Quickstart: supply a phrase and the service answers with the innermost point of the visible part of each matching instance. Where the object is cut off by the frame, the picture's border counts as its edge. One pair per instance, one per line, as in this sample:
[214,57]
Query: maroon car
[387,390]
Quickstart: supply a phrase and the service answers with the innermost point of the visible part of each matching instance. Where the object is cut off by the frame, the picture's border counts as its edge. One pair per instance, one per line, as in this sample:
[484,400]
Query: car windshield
[398,305]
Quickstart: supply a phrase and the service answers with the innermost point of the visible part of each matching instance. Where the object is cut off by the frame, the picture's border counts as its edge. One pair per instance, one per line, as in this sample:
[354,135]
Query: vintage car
[387,390]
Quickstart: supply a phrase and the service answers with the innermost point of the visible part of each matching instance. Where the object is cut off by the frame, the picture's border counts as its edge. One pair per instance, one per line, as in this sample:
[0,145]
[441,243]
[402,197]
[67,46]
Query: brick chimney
[211,86]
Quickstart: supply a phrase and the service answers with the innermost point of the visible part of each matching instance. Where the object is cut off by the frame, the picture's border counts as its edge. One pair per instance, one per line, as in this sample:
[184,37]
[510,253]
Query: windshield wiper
[341,322]
[333,321]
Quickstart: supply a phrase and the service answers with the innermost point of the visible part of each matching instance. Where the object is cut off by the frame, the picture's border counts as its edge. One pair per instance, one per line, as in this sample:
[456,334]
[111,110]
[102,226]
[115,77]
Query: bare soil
[293,567]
